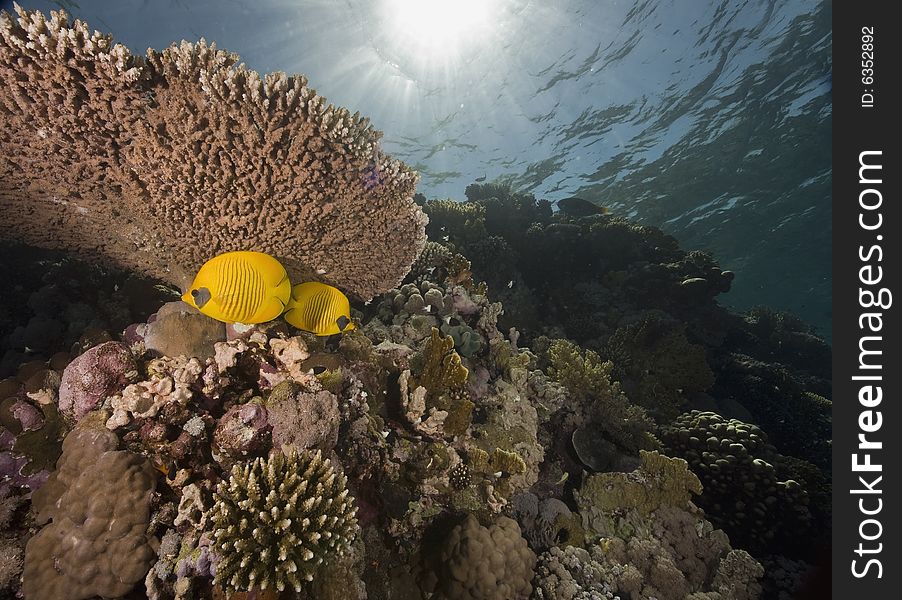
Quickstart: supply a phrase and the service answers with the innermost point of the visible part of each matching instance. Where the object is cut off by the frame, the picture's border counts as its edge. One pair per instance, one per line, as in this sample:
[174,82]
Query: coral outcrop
[100,372]
[259,162]
[652,542]
[276,520]
[743,491]
[482,563]
[98,502]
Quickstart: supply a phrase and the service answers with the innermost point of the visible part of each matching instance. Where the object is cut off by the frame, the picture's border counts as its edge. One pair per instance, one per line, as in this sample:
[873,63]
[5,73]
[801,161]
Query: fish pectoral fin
[272,309]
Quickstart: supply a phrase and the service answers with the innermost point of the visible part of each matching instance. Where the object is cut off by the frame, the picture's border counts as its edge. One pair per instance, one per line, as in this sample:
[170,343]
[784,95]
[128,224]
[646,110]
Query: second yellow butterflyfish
[319,308]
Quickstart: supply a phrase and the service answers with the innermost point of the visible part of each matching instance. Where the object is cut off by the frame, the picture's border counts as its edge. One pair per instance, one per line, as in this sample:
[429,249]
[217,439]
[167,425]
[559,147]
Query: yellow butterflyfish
[319,308]
[240,287]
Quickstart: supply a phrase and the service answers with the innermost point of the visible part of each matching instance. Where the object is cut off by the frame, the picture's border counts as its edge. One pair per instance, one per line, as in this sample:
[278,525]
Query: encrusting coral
[185,154]
[276,520]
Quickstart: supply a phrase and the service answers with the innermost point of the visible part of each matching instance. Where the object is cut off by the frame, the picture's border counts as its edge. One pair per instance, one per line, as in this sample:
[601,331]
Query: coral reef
[659,366]
[276,520]
[604,427]
[652,542]
[488,431]
[156,205]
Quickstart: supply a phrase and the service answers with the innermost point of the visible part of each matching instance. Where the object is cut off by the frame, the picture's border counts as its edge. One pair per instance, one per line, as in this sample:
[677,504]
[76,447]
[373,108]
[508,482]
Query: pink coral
[89,379]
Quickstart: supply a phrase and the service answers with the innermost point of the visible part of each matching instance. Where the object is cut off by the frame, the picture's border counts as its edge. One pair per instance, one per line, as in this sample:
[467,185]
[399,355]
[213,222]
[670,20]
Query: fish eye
[194,293]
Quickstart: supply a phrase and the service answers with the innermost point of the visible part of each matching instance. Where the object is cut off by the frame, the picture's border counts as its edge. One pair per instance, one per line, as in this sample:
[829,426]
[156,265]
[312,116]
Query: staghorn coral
[276,520]
[99,500]
[743,493]
[186,153]
[482,563]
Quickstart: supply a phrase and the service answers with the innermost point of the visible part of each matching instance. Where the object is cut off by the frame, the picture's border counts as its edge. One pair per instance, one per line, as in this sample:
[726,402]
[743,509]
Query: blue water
[710,119]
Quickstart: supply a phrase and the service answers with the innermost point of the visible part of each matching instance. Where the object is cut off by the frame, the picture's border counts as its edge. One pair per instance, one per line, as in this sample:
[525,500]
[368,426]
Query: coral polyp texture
[484,563]
[276,520]
[158,163]
[99,503]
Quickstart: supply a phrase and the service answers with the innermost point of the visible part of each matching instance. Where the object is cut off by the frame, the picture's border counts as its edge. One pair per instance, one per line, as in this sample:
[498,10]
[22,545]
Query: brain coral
[99,501]
[157,164]
[276,520]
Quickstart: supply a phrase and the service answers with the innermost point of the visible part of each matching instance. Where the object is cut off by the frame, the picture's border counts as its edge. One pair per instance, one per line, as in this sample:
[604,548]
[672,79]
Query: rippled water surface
[710,119]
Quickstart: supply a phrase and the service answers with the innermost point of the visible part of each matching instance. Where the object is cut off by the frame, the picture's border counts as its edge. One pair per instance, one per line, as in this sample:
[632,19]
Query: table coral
[259,162]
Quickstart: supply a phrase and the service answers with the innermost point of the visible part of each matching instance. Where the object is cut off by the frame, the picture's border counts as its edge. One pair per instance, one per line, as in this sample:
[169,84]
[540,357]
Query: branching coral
[465,221]
[185,154]
[276,520]
[615,424]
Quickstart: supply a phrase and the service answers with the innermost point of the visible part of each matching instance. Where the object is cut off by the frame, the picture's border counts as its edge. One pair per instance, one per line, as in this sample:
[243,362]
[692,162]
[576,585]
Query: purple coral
[100,372]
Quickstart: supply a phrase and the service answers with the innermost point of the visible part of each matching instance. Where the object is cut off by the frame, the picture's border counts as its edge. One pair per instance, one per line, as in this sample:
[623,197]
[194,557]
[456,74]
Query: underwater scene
[411,299]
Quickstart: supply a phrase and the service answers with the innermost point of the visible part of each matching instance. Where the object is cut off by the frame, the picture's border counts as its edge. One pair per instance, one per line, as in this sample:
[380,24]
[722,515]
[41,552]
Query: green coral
[467,342]
[331,380]
[660,481]
[439,370]
[743,491]
[664,367]
[588,380]
[277,519]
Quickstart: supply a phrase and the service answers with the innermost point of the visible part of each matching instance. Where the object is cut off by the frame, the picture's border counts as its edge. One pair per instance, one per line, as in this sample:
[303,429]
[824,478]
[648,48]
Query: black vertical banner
[867,369]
